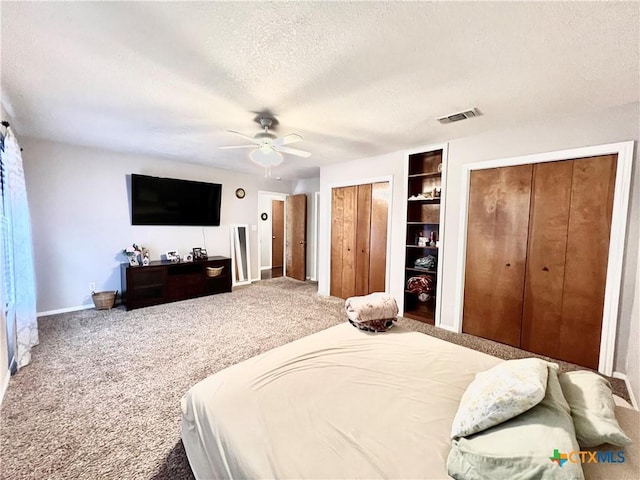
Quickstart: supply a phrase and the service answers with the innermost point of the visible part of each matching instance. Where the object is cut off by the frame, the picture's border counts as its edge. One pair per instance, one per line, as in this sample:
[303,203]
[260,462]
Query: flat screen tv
[169,201]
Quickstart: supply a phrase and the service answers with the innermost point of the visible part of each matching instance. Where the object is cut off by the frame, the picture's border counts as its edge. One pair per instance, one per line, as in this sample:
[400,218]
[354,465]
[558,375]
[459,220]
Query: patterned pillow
[593,409]
[500,393]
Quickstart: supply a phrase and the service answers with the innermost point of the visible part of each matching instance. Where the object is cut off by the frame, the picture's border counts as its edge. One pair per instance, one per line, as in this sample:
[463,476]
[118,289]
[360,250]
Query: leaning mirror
[240,262]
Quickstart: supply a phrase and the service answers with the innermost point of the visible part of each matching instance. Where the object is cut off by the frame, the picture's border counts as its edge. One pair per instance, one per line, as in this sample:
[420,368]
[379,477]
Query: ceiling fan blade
[251,139]
[237,146]
[292,151]
[287,139]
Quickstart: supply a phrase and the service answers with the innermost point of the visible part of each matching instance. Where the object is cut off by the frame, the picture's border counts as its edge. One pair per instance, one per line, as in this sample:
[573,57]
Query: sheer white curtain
[19,291]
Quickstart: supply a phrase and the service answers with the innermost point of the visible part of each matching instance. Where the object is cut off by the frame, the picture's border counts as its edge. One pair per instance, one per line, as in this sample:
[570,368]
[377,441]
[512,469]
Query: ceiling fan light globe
[265,157]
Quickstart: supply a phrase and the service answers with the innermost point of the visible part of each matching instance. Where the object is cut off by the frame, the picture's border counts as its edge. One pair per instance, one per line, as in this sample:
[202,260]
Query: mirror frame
[241,270]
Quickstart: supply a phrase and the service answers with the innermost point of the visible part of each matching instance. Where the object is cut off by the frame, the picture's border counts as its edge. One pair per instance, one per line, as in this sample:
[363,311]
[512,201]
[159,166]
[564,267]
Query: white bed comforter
[341,403]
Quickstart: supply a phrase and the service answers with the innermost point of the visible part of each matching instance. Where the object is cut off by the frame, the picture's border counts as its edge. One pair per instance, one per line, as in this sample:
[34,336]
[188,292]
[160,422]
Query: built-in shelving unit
[423,234]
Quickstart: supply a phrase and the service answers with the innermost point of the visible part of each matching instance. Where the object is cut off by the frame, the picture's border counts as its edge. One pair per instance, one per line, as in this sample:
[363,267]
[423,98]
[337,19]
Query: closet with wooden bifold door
[359,217]
[537,255]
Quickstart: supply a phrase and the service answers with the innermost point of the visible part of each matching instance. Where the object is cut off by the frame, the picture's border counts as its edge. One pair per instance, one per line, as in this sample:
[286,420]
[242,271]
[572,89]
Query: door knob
[274,237]
[301,242]
[508,264]
[545,269]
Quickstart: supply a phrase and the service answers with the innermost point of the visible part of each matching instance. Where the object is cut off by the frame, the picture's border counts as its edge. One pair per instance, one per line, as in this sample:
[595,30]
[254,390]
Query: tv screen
[169,201]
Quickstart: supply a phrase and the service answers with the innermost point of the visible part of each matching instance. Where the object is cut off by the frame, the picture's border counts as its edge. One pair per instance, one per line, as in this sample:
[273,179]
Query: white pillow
[500,393]
[593,409]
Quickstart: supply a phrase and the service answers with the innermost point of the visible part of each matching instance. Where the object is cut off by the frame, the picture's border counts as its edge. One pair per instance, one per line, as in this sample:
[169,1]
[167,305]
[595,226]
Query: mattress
[342,403]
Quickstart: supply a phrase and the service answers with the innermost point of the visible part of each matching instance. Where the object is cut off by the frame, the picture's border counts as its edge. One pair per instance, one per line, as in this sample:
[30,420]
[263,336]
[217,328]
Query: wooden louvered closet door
[359,217]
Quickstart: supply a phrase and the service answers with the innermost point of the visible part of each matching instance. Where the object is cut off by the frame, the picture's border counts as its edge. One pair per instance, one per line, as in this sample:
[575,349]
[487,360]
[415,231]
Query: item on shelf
[199,254]
[421,285]
[136,254]
[421,196]
[422,241]
[188,257]
[172,256]
[428,262]
[419,237]
[440,167]
[432,239]
[214,271]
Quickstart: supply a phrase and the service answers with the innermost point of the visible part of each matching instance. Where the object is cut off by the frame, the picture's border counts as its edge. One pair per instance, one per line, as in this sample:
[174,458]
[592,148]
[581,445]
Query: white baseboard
[65,310]
[623,376]
[4,386]
[266,268]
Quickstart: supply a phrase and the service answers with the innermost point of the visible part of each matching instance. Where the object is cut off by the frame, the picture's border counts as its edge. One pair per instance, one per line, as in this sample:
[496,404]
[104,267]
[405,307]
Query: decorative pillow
[531,446]
[593,409]
[500,393]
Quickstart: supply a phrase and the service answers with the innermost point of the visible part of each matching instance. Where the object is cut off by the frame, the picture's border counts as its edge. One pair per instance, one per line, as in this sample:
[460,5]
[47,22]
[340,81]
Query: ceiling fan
[268,147]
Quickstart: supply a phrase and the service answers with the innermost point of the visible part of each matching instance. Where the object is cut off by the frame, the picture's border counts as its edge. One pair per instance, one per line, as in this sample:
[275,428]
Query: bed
[341,403]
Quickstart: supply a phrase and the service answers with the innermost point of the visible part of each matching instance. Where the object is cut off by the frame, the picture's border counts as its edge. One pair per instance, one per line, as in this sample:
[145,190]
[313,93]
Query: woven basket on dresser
[104,300]
[214,271]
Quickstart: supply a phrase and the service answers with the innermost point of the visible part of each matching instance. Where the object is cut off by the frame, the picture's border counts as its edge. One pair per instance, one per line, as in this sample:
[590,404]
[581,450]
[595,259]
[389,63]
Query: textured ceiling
[354,79]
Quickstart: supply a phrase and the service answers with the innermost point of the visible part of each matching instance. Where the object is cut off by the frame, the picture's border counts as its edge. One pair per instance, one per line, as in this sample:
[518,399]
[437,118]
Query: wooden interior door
[543,330]
[380,193]
[296,243]
[587,258]
[277,233]
[496,252]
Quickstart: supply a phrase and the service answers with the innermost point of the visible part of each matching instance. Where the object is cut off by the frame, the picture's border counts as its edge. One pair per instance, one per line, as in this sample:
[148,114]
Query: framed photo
[172,256]
[133,261]
[197,253]
[203,253]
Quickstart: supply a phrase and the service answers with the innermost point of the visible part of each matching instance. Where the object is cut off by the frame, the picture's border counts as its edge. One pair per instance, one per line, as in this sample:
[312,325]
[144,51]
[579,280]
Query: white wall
[81,216]
[265,230]
[613,125]
[633,352]
[309,187]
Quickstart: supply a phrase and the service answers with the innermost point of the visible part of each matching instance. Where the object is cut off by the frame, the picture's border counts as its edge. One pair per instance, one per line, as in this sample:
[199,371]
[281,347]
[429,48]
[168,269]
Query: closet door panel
[363,232]
[542,326]
[496,252]
[587,257]
[349,236]
[337,215]
[378,240]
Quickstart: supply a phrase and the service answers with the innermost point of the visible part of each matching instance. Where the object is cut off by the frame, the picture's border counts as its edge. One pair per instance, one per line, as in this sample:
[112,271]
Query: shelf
[421,270]
[424,211]
[418,316]
[147,286]
[426,175]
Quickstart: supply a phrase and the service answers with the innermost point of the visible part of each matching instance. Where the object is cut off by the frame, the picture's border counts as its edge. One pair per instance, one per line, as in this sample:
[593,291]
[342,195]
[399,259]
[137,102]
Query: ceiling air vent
[456,117]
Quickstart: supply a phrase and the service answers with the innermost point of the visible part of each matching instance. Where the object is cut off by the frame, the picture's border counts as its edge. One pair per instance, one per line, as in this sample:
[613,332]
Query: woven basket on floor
[214,271]
[104,300]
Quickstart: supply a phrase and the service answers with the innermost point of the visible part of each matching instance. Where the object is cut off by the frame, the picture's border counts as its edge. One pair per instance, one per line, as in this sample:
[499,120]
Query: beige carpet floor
[101,397]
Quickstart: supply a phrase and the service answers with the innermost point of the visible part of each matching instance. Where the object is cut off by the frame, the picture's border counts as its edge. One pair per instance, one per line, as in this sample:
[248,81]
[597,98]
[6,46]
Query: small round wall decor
[264,216]
[240,193]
